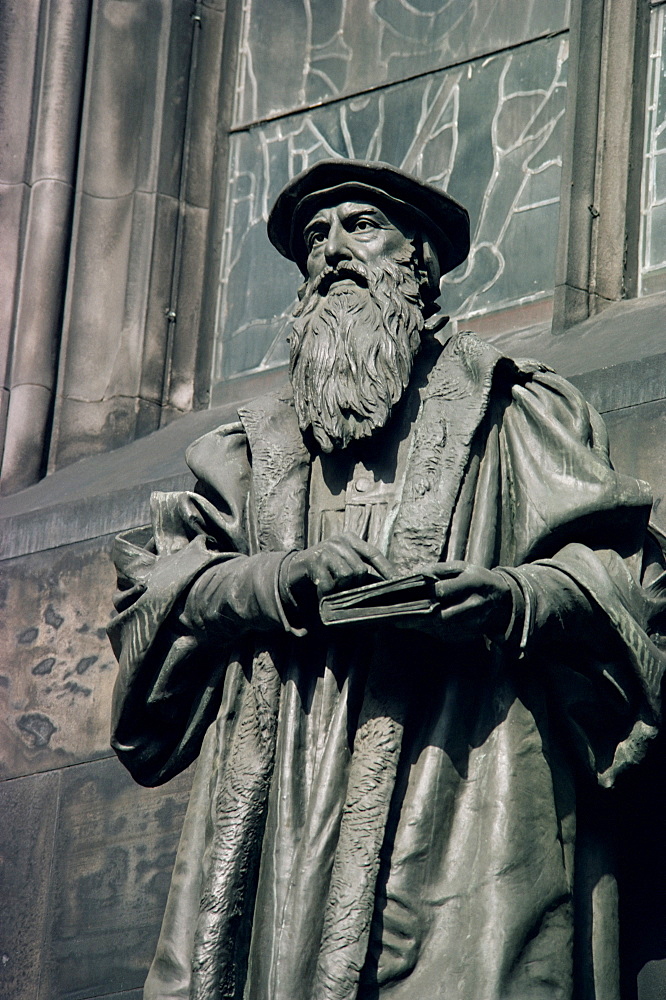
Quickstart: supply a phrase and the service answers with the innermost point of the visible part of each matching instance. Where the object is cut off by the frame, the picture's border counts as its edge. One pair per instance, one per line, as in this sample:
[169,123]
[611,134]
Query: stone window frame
[598,257]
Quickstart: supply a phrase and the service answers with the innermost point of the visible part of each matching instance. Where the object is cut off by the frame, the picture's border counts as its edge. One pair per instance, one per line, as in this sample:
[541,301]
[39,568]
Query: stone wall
[107,149]
[85,853]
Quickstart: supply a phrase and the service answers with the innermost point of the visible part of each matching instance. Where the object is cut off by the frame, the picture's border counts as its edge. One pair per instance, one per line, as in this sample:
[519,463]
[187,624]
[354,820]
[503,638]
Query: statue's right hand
[341,561]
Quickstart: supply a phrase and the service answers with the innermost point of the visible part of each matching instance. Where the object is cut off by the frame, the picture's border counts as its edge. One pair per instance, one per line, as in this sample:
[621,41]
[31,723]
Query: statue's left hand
[475,601]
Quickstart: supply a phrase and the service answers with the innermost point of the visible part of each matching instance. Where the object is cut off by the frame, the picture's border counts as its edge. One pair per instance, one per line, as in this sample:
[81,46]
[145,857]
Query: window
[652,273]
[469,97]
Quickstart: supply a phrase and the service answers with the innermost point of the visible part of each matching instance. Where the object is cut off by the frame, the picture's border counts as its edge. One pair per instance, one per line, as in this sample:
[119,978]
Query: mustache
[345,269]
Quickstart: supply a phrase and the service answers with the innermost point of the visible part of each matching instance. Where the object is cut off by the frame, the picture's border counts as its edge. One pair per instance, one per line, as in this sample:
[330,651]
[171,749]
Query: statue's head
[372,243]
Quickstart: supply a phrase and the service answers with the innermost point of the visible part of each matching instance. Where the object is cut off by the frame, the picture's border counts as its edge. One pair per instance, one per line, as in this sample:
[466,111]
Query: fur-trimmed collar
[453,400]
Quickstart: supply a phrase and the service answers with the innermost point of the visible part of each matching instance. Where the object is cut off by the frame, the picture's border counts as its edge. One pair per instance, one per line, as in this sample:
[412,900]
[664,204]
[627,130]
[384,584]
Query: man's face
[353,231]
[357,327]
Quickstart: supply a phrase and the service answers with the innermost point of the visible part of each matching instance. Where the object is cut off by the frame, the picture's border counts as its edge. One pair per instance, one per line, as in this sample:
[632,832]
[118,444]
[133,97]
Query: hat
[443,220]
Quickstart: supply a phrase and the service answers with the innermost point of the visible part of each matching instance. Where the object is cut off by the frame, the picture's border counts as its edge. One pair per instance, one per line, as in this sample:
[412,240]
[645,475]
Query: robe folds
[380,812]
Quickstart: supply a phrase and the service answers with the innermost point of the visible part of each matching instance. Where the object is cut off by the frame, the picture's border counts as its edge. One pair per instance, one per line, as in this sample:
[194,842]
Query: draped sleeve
[172,655]
[574,531]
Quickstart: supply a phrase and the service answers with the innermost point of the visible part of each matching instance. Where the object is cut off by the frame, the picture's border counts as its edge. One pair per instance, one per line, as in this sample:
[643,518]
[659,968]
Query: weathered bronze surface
[389,808]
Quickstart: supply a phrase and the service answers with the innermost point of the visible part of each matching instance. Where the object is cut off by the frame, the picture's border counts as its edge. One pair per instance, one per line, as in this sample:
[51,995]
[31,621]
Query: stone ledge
[79,520]
[620,386]
[83,501]
[630,330]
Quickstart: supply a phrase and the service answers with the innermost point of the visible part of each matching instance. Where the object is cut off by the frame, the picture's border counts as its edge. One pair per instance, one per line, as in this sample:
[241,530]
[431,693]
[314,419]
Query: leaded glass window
[653,200]
[467,95]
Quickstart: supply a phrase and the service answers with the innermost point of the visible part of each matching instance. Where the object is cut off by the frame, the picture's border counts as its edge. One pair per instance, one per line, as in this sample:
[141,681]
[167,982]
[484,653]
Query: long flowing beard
[352,349]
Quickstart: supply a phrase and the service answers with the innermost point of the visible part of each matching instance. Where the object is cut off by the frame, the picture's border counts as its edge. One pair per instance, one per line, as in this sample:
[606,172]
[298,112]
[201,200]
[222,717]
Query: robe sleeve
[188,592]
[574,536]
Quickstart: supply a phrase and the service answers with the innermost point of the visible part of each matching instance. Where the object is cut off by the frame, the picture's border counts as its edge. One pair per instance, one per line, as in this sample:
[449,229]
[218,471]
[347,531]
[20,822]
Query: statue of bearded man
[391,807]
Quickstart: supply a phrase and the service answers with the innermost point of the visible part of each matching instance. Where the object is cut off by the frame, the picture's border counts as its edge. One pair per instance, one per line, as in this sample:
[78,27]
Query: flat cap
[444,221]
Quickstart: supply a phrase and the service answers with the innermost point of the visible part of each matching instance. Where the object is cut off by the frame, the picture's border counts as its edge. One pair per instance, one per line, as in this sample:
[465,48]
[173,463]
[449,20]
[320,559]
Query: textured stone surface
[184,353]
[64,34]
[18,44]
[204,111]
[28,407]
[599,222]
[46,236]
[106,493]
[124,995]
[86,518]
[86,859]
[626,331]
[128,41]
[637,446]
[129,151]
[145,175]
[29,808]
[11,202]
[91,426]
[36,331]
[57,666]
[109,357]
[113,853]
[157,326]
[42,53]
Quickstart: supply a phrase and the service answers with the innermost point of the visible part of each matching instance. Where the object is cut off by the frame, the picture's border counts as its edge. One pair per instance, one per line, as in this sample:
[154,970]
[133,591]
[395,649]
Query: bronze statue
[386,805]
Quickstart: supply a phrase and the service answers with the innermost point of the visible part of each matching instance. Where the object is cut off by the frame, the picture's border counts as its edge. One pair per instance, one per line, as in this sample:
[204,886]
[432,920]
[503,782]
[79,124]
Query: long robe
[385,813]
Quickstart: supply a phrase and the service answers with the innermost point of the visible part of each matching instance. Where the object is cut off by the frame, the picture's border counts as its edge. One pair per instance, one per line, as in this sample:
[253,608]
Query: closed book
[407,595]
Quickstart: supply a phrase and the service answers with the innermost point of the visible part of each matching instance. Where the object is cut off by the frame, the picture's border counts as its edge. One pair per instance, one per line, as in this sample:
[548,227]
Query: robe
[380,812]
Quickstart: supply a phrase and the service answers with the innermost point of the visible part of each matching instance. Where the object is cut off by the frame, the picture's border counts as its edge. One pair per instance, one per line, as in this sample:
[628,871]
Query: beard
[352,348]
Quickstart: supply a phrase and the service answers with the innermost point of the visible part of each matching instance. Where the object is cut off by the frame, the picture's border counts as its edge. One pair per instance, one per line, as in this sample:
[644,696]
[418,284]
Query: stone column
[43,48]
[598,241]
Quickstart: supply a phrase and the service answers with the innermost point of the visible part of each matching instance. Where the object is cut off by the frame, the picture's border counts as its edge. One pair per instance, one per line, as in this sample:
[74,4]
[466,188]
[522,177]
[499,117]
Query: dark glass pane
[295,53]
[490,133]
[657,245]
[653,230]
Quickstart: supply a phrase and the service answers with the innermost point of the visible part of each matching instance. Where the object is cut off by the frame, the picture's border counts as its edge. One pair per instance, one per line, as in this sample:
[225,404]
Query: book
[407,595]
